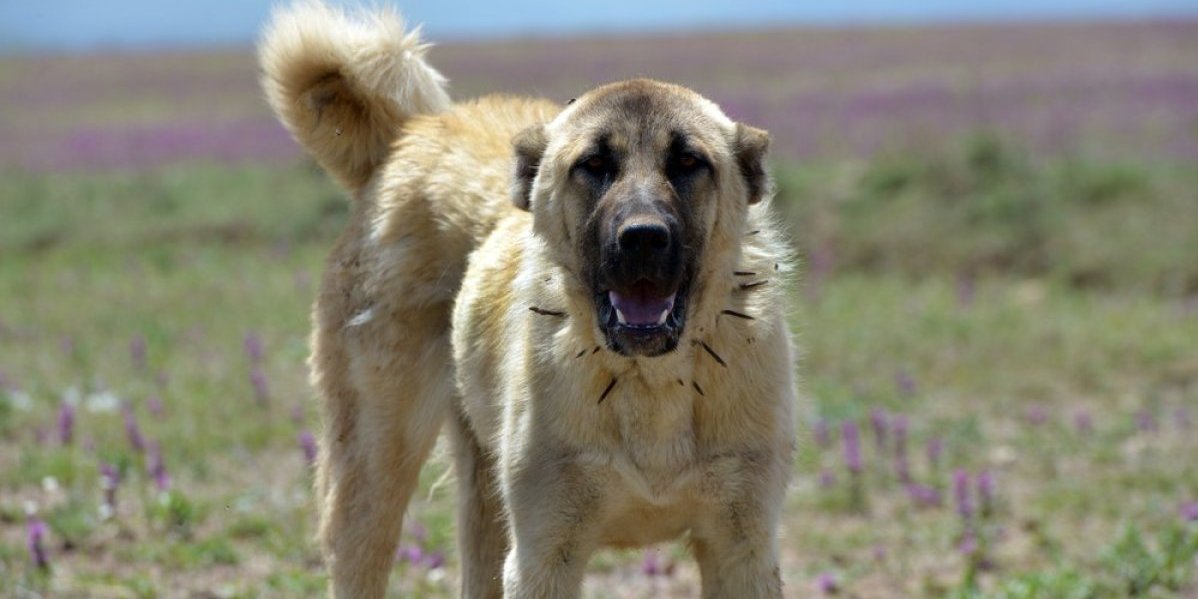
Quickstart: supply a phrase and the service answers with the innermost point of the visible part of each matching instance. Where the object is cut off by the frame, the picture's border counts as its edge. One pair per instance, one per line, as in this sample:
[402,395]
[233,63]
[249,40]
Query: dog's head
[631,183]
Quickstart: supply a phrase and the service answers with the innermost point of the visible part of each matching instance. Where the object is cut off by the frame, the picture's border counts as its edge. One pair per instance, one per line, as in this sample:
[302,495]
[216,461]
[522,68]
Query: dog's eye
[595,165]
[685,164]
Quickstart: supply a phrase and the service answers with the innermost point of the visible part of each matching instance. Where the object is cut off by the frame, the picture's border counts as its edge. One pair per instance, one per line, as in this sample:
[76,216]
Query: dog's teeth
[662,319]
[620,317]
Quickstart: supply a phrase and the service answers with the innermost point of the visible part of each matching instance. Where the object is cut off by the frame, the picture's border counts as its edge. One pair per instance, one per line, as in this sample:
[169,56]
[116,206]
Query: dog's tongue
[641,306]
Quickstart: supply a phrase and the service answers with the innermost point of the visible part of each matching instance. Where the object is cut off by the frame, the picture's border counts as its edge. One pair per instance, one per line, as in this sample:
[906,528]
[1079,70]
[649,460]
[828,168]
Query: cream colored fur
[345,86]
[424,318]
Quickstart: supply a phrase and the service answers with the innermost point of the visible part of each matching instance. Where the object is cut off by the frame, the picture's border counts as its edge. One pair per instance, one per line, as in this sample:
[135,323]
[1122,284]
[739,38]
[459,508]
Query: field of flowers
[999,314]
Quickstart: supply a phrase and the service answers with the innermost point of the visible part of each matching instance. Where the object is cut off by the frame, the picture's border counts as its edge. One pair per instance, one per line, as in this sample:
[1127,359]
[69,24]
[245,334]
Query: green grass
[1079,306]
[991,209]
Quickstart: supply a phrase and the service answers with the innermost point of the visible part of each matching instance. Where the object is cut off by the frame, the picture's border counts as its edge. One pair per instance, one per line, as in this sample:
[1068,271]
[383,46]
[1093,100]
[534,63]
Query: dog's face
[630,181]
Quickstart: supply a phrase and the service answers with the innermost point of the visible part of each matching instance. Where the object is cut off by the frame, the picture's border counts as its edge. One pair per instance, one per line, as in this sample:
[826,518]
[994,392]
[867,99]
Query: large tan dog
[590,295]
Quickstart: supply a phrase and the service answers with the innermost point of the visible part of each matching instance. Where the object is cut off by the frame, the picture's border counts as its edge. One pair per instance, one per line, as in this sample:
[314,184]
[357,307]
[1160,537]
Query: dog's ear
[530,147]
[751,147]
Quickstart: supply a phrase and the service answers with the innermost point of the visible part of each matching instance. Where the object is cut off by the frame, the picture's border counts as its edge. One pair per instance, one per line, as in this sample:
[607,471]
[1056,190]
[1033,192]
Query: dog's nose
[644,238]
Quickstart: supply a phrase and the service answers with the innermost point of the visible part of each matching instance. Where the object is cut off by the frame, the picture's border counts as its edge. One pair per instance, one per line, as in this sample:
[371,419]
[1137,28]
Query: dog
[592,296]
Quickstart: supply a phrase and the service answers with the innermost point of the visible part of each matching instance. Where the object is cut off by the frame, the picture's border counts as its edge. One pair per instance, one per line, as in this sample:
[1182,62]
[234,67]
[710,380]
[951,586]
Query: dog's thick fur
[459,293]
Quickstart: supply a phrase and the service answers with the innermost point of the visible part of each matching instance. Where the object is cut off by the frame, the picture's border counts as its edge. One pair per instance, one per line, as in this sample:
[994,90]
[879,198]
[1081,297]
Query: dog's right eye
[595,165]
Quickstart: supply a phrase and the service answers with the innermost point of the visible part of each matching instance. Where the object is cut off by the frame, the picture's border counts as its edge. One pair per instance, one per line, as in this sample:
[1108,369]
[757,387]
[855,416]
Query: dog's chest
[655,453]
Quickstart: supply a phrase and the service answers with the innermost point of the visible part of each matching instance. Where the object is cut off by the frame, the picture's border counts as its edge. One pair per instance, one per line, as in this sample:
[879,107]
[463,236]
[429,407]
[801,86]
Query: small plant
[36,542]
[852,462]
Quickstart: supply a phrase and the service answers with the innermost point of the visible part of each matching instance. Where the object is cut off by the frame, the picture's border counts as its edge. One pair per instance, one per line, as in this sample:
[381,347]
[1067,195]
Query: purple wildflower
[651,564]
[923,495]
[935,451]
[132,430]
[1189,511]
[879,553]
[826,478]
[307,444]
[969,544]
[966,289]
[66,423]
[823,433]
[1036,415]
[137,352]
[154,404]
[1083,422]
[1146,421]
[37,543]
[433,560]
[852,446]
[411,554]
[1181,417]
[878,420]
[986,491]
[253,347]
[258,380]
[826,583]
[961,494]
[902,467]
[157,468]
[905,383]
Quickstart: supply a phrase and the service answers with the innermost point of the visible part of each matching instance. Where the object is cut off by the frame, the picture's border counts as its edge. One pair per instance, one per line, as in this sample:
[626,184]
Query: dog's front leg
[735,542]
[553,505]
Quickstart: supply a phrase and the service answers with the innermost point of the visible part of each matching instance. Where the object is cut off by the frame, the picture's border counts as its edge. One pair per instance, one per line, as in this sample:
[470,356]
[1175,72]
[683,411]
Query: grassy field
[1008,333]
[175,301]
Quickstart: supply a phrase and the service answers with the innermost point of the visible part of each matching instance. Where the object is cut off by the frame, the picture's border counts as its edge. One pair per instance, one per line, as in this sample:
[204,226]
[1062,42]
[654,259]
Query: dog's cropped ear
[530,147]
[751,147]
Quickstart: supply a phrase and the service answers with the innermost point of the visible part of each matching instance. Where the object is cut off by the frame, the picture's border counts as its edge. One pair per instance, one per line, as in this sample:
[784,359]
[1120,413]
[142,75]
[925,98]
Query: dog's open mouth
[642,319]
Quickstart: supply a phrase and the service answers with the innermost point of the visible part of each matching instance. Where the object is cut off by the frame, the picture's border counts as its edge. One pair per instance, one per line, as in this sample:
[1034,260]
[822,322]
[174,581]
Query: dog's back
[360,98]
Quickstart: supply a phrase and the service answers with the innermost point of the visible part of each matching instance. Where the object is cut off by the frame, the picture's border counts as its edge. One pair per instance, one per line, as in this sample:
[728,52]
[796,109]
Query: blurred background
[996,207]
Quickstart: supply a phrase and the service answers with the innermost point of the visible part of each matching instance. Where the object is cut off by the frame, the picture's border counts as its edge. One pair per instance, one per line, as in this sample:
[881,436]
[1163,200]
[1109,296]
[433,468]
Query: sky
[82,25]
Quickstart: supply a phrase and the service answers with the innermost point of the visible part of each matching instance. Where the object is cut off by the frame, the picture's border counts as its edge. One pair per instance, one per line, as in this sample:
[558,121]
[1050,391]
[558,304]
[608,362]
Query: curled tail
[344,86]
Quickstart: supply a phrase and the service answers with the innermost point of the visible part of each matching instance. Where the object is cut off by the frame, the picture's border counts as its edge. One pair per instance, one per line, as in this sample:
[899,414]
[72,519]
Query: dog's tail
[345,86]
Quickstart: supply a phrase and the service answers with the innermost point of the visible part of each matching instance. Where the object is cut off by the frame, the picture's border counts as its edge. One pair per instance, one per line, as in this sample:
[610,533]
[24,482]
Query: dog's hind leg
[482,533]
[387,384]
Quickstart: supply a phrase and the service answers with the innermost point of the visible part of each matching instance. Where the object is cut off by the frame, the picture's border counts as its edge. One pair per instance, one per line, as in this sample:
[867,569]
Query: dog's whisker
[606,391]
[581,353]
[744,273]
[698,388]
[544,312]
[736,314]
[596,350]
[753,232]
[680,383]
[711,352]
[754,284]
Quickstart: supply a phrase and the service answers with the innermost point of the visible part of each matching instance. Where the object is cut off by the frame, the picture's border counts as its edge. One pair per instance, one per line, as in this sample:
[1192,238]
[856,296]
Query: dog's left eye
[684,164]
